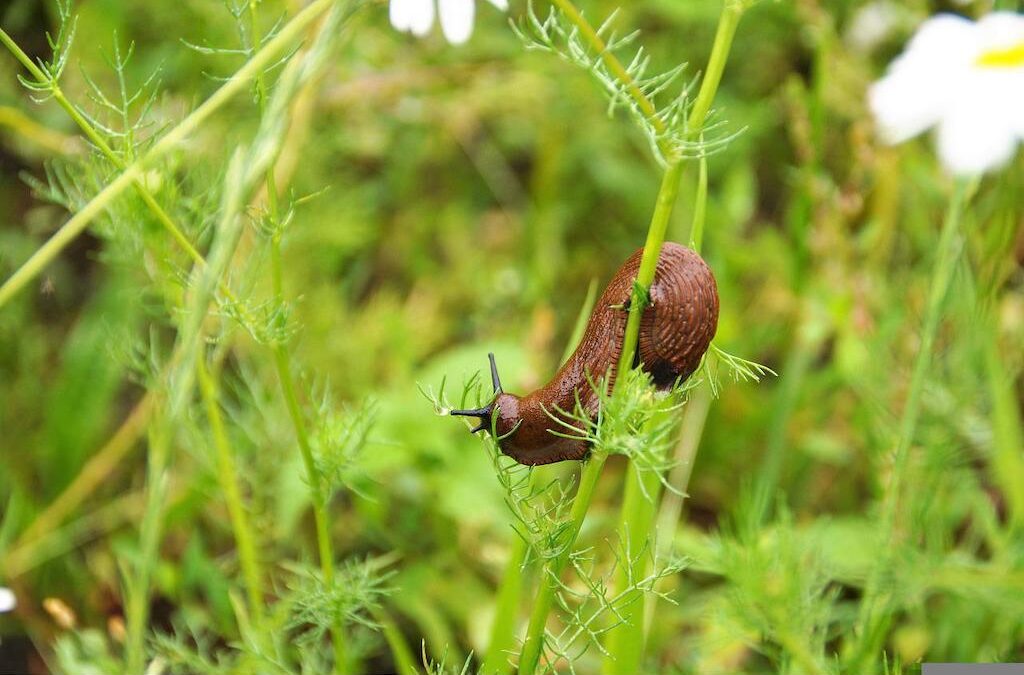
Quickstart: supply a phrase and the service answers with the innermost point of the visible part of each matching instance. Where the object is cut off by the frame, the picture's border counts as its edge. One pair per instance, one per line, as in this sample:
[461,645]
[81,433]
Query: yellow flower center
[1009,57]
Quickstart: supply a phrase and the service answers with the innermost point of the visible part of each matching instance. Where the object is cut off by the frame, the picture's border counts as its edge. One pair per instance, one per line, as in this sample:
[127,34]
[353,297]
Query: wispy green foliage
[466,198]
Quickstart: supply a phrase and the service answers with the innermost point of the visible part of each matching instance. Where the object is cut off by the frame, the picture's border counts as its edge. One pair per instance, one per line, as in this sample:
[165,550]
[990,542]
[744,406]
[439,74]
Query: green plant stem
[667,195]
[96,139]
[229,482]
[533,646]
[615,66]
[529,658]
[670,512]
[51,140]
[132,172]
[874,615]
[287,383]
[727,24]
[323,535]
[811,332]
[405,662]
[137,606]
[625,642]
[503,628]
[700,206]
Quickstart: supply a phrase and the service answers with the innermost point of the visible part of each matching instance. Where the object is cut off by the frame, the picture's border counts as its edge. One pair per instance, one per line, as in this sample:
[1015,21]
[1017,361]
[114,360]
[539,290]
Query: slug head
[523,427]
[506,405]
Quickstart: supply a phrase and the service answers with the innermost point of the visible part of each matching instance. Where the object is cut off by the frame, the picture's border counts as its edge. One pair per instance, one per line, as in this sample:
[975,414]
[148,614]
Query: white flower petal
[500,4]
[923,81]
[7,600]
[1000,30]
[456,19]
[942,33]
[412,16]
[907,102]
[398,13]
[423,17]
[974,139]
[872,24]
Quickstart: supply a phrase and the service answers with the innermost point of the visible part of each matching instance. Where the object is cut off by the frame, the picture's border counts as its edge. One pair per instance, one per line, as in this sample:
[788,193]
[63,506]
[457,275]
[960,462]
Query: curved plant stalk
[133,172]
[667,194]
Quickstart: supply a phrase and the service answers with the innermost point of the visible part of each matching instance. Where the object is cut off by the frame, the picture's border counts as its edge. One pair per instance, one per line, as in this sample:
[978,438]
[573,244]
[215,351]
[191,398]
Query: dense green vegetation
[218,443]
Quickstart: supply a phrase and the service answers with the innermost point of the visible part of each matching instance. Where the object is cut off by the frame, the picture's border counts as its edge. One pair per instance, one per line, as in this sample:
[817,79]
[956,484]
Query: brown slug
[675,331]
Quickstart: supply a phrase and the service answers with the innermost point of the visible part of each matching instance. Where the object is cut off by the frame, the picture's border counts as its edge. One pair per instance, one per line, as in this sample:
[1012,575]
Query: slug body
[675,331]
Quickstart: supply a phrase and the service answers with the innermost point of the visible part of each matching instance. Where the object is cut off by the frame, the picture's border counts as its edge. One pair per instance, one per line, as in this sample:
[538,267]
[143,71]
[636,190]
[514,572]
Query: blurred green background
[461,201]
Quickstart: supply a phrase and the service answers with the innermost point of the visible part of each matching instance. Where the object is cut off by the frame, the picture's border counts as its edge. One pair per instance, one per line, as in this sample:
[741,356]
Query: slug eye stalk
[484,414]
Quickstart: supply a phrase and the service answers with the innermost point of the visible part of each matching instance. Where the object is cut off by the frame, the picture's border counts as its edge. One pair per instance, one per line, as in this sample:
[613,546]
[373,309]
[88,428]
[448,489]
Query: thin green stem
[615,66]
[503,630]
[137,609]
[529,658]
[227,474]
[323,535]
[811,332]
[97,140]
[287,383]
[874,615]
[700,207]
[950,244]
[132,172]
[625,642]
[667,194]
[727,23]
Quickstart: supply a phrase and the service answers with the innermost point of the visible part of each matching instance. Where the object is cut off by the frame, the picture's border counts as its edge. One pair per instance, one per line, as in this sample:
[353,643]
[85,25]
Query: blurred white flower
[872,24]
[417,17]
[966,79]
[7,600]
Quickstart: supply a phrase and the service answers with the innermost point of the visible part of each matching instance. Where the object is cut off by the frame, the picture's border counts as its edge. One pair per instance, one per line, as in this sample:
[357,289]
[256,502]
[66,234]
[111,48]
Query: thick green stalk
[227,474]
[532,648]
[667,195]
[131,174]
[625,642]
[874,611]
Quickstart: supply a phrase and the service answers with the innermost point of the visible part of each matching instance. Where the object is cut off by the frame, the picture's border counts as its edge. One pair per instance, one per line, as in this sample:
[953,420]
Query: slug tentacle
[676,328]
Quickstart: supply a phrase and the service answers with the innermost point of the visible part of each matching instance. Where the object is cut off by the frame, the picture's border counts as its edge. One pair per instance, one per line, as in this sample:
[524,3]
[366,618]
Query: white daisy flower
[7,600]
[966,79]
[417,17]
